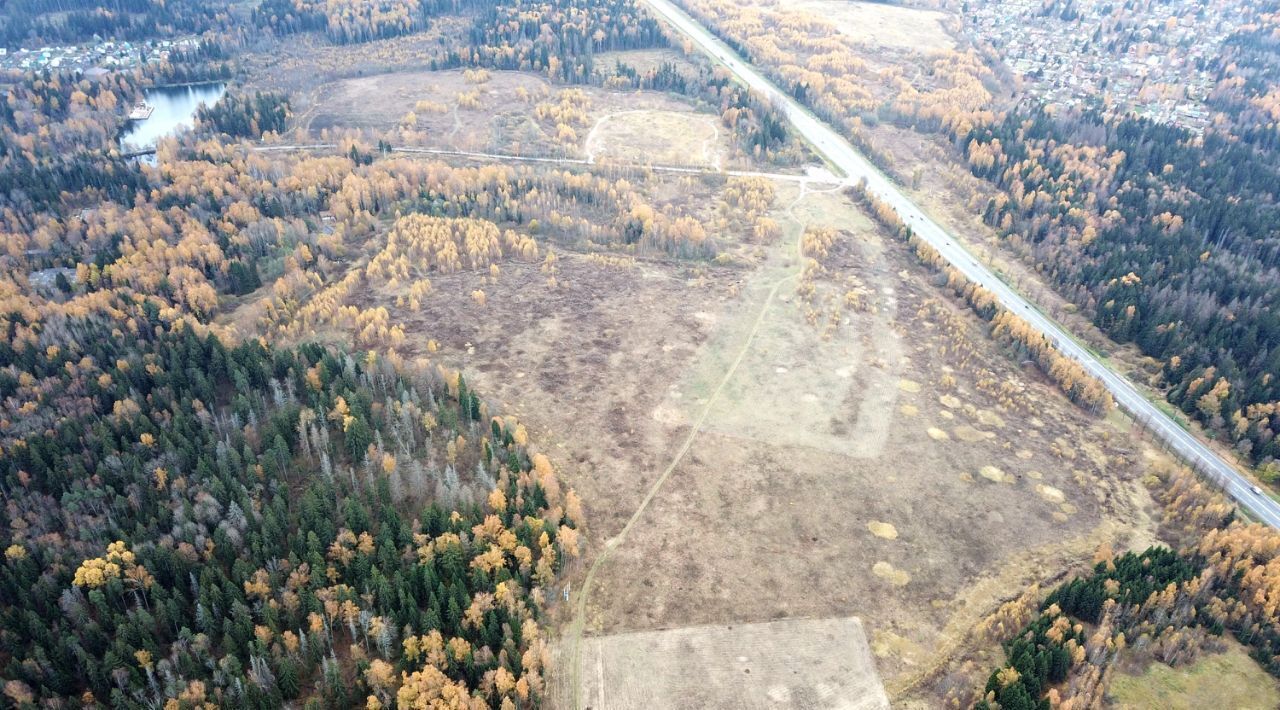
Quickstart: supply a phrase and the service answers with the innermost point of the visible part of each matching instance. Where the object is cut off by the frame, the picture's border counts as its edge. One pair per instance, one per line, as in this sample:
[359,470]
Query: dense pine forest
[37,22]
[250,526]
[247,117]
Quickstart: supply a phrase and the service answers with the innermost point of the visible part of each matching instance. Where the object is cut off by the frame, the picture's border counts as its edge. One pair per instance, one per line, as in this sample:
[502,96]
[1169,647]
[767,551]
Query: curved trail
[580,607]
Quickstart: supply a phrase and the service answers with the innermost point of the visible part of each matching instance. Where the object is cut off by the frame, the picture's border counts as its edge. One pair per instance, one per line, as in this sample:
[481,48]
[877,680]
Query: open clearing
[656,137]
[881,25]
[1225,680]
[815,487]
[500,114]
[644,61]
[769,516]
[802,663]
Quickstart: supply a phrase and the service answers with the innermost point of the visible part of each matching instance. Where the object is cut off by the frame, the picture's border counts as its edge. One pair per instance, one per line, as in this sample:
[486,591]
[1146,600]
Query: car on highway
[1256,491]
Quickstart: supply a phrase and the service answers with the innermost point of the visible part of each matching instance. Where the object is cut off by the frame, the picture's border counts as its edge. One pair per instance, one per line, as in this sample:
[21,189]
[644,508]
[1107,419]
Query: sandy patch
[1049,493]
[888,572]
[965,432]
[937,434]
[989,418]
[995,475]
[669,415]
[883,530]
[886,644]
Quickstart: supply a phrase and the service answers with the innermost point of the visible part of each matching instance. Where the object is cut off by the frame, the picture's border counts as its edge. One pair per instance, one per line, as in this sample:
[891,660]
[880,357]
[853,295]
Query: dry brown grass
[657,137]
[813,439]
[881,25]
[497,116]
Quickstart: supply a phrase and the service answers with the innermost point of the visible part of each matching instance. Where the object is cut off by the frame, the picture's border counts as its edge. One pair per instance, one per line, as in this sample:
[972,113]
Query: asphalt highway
[841,154]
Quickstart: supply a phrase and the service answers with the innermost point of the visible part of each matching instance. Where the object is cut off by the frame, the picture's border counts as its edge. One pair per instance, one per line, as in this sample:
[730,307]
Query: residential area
[1152,60]
[100,56]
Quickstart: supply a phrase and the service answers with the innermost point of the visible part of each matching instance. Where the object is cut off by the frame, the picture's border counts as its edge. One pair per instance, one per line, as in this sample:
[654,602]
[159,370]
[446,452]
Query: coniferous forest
[281,523]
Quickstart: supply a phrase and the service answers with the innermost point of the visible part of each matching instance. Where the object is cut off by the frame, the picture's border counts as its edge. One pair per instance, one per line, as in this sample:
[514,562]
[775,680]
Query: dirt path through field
[790,256]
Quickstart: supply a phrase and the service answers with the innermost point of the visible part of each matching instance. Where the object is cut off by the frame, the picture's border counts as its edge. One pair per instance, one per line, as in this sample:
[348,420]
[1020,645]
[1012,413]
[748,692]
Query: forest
[189,520]
[1166,238]
[273,534]
[247,117]
[345,22]
[42,22]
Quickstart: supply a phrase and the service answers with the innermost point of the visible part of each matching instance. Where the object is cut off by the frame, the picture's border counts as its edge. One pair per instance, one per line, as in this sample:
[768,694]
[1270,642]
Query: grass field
[842,466]
[496,116]
[1226,680]
[881,25]
[657,137]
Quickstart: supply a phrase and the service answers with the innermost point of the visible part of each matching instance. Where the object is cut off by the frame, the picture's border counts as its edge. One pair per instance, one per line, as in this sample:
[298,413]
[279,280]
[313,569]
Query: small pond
[174,109]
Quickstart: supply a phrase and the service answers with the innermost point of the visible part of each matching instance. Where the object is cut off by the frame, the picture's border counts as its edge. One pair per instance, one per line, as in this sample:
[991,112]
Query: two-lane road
[856,168]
